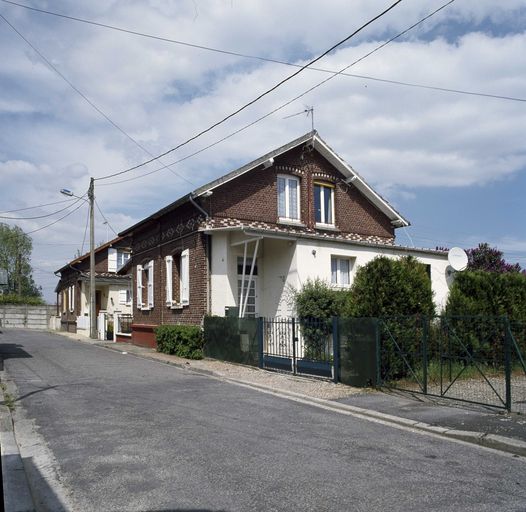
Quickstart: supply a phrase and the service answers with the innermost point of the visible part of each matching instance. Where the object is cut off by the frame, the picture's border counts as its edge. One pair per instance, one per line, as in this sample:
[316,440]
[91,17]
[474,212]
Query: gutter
[200,208]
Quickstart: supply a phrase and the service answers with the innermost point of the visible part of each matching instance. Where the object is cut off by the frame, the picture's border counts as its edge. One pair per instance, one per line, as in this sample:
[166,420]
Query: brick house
[238,244]
[112,290]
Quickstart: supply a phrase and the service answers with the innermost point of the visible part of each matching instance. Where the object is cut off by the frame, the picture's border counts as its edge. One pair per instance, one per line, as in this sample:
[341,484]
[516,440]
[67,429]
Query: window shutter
[112,260]
[139,287]
[169,280]
[72,298]
[185,278]
[122,296]
[150,285]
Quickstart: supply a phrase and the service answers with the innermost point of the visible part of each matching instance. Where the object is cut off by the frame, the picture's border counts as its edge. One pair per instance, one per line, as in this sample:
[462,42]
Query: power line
[282,106]
[38,206]
[265,93]
[54,222]
[263,59]
[82,95]
[105,219]
[42,216]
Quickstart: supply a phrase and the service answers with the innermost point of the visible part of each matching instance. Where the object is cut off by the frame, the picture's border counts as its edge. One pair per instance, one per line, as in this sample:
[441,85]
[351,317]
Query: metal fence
[472,359]
[125,323]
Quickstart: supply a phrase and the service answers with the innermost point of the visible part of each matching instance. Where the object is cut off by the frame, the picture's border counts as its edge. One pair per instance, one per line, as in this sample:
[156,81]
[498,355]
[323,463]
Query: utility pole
[92,293]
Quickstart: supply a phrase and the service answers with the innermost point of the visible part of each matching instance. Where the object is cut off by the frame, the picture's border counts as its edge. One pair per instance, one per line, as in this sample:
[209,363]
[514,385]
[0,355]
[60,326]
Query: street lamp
[91,200]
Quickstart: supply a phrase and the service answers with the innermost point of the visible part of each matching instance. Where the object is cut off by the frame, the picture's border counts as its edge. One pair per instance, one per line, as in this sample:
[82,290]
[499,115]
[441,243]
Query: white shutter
[122,296]
[169,280]
[139,287]
[150,285]
[72,298]
[112,260]
[185,277]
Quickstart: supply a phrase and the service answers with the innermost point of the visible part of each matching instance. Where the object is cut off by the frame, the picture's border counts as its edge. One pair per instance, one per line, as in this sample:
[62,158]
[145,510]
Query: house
[240,243]
[112,290]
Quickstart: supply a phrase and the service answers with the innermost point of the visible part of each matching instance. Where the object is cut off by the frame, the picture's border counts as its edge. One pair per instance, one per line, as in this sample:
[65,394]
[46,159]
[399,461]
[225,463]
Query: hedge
[181,340]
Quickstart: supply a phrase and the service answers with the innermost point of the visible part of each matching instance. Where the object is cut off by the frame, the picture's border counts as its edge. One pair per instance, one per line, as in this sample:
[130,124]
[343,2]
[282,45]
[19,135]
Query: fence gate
[470,359]
[302,346]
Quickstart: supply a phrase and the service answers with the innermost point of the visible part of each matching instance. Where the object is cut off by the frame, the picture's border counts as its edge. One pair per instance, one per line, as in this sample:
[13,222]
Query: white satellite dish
[457,258]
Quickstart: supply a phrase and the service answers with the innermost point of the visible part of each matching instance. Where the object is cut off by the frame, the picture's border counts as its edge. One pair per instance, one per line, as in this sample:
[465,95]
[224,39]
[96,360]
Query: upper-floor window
[116,259]
[288,198]
[122,258]
[324,203]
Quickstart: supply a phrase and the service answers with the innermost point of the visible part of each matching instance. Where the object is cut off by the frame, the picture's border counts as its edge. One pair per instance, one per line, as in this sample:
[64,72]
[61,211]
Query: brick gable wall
[252,197]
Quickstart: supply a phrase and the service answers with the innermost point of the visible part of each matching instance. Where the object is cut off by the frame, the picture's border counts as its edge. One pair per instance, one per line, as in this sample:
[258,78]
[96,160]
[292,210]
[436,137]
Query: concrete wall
[27,317]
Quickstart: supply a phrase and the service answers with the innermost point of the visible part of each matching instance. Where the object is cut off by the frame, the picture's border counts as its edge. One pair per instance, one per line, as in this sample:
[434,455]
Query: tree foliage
[15,255]
[390,287]
[316,299]
[489,294]
[489,259]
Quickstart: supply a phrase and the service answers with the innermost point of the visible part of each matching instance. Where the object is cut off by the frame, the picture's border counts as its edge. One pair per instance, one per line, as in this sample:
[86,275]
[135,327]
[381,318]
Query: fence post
[260,341]
[294,338]
[377,342]
[507,362]
[425,335]
[336,348]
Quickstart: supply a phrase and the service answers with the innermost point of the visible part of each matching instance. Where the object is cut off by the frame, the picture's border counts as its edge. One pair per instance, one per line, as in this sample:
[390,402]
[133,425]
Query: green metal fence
[471,359]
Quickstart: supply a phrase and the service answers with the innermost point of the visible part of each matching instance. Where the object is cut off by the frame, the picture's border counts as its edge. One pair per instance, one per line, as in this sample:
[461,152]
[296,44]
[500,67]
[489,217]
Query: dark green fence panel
[358,342]
[232,339]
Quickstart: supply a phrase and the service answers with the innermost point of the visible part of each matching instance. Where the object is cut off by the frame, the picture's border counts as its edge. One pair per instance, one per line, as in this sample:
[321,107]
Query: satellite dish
[457,258]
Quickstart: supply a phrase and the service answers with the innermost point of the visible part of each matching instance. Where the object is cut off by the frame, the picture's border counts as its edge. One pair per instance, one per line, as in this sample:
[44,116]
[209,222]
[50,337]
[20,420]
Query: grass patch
[9,399]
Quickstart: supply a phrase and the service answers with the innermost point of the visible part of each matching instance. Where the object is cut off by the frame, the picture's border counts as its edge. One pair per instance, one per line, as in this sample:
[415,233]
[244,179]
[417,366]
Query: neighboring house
[113,291]
[240,243]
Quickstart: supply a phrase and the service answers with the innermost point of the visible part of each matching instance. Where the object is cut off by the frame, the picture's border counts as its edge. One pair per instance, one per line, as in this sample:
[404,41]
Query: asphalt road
[132,434]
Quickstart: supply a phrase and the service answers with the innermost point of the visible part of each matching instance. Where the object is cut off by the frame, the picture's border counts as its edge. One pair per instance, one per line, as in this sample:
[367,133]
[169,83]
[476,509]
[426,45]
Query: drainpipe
[192,200]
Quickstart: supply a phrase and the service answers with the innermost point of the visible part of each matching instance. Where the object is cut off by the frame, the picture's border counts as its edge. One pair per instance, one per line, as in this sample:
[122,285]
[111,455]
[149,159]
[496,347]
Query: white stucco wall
[284,265]
[318,265]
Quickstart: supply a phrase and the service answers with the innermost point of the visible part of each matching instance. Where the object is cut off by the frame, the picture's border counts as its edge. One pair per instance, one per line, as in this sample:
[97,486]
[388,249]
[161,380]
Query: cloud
[401,139]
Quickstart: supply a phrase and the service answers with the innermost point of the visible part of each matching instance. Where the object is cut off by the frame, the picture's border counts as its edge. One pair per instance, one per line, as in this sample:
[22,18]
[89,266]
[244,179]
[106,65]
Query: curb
[496,442]
[17,495]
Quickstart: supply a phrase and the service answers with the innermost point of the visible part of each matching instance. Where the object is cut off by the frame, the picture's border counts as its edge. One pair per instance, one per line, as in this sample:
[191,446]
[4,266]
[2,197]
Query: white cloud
[398,138]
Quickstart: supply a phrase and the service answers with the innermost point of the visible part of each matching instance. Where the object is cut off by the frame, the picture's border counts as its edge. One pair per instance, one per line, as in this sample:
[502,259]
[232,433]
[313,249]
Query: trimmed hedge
[12,298]
[181,340]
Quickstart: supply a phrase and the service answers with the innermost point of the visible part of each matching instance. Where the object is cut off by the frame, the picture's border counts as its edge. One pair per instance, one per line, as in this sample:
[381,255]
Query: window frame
[338,259]
[184,281]
[287,217]
[324,187]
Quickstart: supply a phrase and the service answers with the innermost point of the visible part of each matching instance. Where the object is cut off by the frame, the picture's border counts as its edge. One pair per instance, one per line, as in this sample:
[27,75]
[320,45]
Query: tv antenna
[309,111]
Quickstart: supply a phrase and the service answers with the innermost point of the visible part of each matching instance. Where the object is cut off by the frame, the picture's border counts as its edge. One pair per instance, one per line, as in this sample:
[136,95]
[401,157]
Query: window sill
[177,305]
[290,222]
[326,227]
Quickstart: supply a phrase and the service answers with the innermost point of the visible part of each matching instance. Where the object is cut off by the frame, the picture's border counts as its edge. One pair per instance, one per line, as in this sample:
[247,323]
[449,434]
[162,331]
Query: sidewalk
[479,425]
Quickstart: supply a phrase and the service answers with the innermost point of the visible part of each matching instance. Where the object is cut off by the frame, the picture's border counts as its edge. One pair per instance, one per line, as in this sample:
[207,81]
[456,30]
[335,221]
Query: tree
[391,287]
[15,254]
[489,259]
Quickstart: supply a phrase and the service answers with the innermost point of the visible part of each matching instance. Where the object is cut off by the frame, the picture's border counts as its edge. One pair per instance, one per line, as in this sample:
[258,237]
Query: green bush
[180,340]
[390,287]
[315,304]
[12,298]
[489,294]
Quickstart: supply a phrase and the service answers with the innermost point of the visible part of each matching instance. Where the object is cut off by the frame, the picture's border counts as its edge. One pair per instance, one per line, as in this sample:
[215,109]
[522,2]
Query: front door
[98,302]
[250,296]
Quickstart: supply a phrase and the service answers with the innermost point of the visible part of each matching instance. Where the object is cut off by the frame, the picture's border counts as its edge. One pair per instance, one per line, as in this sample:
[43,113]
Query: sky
[79,100]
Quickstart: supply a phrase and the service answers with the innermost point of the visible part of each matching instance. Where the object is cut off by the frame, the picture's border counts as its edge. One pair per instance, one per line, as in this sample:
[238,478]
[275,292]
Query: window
[122,258]
[145,286]
[116,259]
[324,203]
[125,296]
[288,198]
[341,271]
[178,274]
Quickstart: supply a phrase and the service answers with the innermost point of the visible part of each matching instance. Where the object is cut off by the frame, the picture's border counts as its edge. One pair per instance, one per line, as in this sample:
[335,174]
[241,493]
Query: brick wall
[253,197]
[162,238]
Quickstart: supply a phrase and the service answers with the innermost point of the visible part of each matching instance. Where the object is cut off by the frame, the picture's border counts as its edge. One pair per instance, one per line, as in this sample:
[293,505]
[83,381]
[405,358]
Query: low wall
[27,317]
